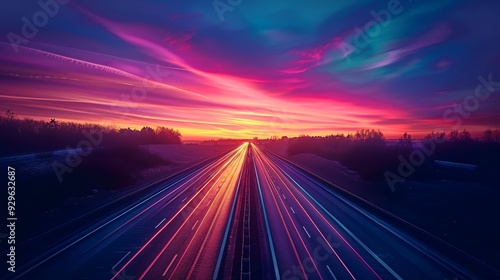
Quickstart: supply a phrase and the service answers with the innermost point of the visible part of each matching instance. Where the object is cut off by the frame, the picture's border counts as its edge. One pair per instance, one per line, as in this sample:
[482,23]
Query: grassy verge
[104,169]
[373,160]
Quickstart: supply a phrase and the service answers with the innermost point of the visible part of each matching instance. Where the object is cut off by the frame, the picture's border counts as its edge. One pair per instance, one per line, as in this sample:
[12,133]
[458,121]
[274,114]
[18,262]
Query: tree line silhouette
[370,154]
[28,135]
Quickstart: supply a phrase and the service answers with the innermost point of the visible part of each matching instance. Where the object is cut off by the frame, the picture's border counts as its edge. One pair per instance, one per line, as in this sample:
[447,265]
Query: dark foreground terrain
[44,201]
[458,206]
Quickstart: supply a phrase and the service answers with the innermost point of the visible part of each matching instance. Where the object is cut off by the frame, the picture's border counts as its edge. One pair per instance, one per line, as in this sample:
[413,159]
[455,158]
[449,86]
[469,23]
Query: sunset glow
[260,72]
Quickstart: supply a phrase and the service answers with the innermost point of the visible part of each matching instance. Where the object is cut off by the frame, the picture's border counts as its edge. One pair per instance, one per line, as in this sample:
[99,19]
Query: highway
[245,215]
[318,234]
[173,233]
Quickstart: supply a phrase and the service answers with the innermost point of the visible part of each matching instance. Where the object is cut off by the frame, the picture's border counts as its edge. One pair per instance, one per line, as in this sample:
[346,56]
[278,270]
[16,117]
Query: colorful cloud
[269,68]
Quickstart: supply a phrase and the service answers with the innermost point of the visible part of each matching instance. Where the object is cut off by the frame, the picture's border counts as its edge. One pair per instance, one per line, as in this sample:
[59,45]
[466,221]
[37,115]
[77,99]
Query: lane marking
[113,268]
[167,186]
[333,275]
[195,224]
[375,256]
[184,199]
[284,196]
[209,202]
[160,222]
[306,231]
[292,209]
[199,171]
[230,163]
[169,265]
[226,233]
[266,220]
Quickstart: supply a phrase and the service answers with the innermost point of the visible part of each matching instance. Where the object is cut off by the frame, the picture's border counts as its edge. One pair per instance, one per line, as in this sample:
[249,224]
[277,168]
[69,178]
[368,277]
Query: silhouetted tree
[462,136]
[148,135]
[28,135]
[453,136]
[168,135]
[10,115]
[491,135]
[436,136]
[405,141]
[488,135]
[465,136]
[53,124]
[371,136]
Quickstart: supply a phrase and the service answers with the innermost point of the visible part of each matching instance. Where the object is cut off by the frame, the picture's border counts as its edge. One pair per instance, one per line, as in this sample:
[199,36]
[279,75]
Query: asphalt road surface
[245,215]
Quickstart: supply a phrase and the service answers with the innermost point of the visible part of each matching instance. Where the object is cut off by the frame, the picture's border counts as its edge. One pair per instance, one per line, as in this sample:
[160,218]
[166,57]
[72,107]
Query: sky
[254,68]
